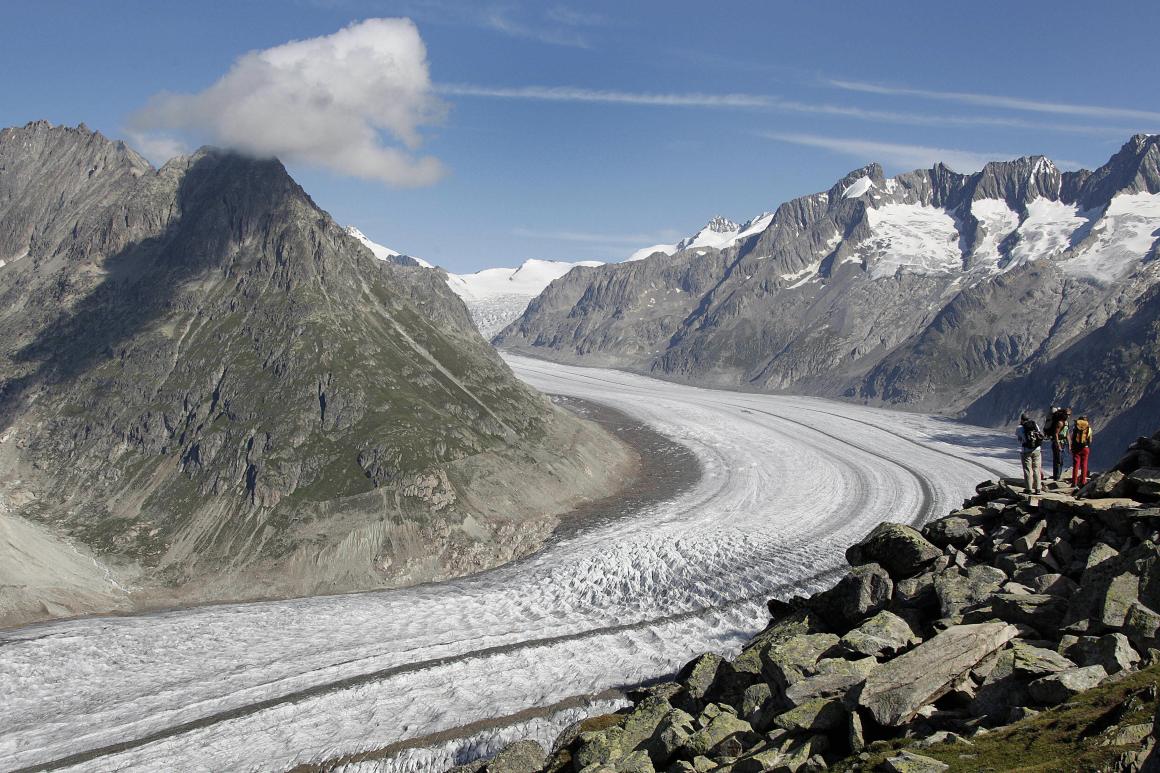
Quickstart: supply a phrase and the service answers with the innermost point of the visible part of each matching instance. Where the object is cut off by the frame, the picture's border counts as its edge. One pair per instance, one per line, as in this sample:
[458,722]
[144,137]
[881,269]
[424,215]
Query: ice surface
[498,296]
[787,484]
[1050,228]
[1126,233]
[996,220]
[912,237]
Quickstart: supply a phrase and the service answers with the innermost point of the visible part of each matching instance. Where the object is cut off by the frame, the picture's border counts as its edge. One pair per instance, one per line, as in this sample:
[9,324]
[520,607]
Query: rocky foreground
[1011,632]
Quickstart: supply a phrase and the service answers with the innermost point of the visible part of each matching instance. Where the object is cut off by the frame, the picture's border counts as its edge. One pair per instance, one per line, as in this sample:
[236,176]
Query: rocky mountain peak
[720,224]
[1134,169]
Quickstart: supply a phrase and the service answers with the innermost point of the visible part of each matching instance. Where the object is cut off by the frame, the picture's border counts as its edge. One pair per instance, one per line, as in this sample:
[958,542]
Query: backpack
[1032,435]
[1081,437]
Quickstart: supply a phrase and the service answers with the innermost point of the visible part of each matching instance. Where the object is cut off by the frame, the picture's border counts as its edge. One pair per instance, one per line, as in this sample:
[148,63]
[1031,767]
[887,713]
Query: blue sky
[586,130]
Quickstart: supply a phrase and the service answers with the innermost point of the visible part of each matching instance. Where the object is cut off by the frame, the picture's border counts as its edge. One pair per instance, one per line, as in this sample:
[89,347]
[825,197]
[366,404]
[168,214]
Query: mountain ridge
[924,290]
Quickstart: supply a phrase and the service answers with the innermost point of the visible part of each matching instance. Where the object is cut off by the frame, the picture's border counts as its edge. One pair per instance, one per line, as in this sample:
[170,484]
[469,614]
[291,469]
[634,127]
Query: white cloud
[343,102]
[893,154]
[992,100]
[158,148]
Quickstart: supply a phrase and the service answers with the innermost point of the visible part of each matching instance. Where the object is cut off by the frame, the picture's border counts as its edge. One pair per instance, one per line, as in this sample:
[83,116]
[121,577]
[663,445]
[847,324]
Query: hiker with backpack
[1057,430]
[1081,448]
[1030,438]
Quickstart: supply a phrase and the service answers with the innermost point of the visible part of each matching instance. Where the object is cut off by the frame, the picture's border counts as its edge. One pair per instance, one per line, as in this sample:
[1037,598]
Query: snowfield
[434,674]
[496,297]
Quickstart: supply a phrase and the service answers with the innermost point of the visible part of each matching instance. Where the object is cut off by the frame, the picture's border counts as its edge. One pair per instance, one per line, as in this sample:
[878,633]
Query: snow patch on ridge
[996,222]
[719,234]
[379,251]
[1128,230]
[911,237]
[858,188]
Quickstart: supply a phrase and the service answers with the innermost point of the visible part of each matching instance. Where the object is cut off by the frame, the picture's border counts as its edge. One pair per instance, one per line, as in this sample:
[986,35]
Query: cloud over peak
[353,102]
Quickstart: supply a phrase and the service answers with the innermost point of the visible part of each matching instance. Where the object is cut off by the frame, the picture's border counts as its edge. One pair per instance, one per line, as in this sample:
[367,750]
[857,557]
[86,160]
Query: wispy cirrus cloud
[891,153]
[576,94]
[994,100]
[766,102]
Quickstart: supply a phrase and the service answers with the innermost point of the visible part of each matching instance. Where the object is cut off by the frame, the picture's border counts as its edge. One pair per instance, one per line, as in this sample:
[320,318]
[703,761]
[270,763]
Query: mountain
[719,233]
[209,390]
[386,253]
[1016,287]
[497,296]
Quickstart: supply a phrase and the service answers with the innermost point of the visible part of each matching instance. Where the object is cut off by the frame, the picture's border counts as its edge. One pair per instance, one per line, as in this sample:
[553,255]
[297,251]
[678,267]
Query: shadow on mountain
[219,198]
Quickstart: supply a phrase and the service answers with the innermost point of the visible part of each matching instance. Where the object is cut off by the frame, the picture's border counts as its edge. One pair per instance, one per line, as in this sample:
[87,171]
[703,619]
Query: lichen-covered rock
[785,626]
[951,530]
[1040,611]
[883,635]
[956,592]
[866,589]
[1032,661]
[901,550]
[1058,687]
[834,678]
[898,688]
[817,715]
[717,730]
[1142,625]
[518,757]
[789,661]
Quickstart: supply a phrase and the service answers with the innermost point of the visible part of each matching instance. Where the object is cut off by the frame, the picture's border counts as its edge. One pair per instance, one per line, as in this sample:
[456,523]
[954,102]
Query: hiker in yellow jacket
[1081,447]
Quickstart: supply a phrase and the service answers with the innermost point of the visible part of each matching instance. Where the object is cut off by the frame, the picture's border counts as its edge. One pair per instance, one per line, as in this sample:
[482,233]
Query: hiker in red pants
[1081,447]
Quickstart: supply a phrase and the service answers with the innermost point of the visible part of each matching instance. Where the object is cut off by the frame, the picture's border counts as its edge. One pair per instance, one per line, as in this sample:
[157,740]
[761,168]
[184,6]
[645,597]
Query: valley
[786,483]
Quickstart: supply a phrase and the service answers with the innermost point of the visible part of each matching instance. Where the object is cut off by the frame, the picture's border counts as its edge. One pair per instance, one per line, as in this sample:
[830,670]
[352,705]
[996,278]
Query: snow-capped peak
[379,251]
[719,233]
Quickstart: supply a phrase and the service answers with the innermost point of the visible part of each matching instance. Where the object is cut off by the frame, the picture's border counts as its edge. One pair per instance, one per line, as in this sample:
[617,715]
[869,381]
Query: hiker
[1030,439]
[1058,432]
[1081,448]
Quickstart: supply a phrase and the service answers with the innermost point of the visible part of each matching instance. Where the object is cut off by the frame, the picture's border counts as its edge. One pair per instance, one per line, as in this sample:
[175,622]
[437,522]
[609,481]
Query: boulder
[1058,687]
[1034,661]
[835,678]
[883,635]
[635,762]
[895,690]
[1054,585]
[1113,651]
[957,592]
[1103,486]
[1144,482]
[866,589]
[916,593]
[1001,690]
[792,660]
[899,549]
[518,757]
[717,730]
[1141,625]
[786,625]
[952,530]
[1108,589]
[910,762]
[818,715]
[1041,611]
[672,734]
[1024,543]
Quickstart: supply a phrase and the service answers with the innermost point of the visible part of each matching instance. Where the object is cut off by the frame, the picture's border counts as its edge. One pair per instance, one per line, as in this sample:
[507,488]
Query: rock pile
[1004,608]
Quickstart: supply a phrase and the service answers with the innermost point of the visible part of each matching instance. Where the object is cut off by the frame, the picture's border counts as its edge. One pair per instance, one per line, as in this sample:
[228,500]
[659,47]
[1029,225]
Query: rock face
[1018,285]
[895,691]
[944,647]
[214,392]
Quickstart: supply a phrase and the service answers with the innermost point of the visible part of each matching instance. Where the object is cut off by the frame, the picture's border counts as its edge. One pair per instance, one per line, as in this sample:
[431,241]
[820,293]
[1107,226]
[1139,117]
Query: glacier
[413,679]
